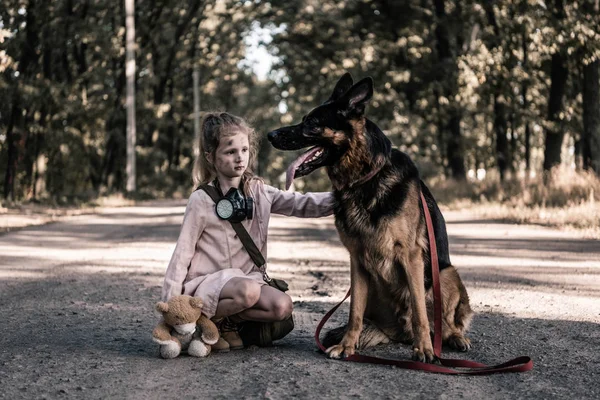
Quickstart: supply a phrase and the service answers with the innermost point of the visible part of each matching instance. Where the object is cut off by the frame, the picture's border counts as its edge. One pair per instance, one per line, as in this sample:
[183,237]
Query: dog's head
[328,129]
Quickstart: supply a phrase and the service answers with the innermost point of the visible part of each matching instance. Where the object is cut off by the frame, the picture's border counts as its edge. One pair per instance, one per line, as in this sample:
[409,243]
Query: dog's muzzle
[290,138]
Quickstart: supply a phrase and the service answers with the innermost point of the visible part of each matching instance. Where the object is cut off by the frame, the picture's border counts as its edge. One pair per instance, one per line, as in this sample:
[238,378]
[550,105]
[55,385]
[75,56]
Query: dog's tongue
[291,171]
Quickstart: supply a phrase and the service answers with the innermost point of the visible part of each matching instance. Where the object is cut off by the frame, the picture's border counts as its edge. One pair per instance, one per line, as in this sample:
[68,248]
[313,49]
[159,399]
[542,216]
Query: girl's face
[232,155]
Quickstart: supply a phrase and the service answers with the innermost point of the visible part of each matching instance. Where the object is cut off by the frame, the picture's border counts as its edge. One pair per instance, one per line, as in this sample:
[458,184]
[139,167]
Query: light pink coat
[208,253]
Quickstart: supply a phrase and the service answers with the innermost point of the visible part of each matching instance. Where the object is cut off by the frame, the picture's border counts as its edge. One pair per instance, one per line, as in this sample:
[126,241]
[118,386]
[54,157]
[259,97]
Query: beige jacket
[208,252]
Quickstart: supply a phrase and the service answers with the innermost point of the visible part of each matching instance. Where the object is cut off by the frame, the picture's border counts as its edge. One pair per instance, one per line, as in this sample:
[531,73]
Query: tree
[591,116]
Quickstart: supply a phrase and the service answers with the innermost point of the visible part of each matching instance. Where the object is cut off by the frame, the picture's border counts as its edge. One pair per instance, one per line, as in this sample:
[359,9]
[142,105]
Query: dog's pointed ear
[341,87]
[359,94]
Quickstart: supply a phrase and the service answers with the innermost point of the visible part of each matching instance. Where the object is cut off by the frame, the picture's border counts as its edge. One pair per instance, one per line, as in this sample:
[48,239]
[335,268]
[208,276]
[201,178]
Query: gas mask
[234,207]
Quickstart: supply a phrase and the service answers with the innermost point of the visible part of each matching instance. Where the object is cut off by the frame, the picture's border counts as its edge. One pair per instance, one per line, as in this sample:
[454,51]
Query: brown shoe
[221,346]
[230,332]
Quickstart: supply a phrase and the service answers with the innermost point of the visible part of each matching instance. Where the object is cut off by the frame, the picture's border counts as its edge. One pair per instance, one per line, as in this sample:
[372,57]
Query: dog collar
[368,176]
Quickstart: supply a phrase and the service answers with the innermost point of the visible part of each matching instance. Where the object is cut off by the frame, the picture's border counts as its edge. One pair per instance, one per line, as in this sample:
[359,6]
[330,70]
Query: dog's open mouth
[305,164]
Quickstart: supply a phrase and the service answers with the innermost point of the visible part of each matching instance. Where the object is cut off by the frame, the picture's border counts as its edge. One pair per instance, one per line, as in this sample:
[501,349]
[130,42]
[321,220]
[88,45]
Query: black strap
[239,229]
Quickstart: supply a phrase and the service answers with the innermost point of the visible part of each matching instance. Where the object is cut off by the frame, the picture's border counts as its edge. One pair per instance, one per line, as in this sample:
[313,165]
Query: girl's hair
[214,126]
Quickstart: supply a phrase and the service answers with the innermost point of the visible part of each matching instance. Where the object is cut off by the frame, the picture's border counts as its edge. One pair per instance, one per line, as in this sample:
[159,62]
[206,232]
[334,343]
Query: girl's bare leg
[272,305]
[237,295]
[253,302]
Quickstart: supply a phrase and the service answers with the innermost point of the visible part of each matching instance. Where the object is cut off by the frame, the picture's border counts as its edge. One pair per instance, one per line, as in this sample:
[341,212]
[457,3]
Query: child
[209,260]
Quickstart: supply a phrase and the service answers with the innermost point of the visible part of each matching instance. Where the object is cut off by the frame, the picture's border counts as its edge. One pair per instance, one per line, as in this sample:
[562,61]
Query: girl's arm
[193,224]
[312,204]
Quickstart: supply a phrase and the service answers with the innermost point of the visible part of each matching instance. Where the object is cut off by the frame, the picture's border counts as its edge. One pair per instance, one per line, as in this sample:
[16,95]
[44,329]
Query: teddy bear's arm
[162,333]
[210,332]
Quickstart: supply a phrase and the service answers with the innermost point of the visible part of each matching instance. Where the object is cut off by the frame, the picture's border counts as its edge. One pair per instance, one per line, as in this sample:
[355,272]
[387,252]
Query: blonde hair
[214,126]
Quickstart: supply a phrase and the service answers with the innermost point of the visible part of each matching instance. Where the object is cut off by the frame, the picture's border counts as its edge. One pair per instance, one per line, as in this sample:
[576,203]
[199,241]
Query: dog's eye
[312,130]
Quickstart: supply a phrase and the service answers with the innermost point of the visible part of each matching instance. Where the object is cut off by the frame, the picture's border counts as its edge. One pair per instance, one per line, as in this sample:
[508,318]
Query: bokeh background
[498,102]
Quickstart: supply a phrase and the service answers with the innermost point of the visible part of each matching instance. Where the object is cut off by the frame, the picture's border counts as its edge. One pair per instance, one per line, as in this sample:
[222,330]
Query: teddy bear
[183,326]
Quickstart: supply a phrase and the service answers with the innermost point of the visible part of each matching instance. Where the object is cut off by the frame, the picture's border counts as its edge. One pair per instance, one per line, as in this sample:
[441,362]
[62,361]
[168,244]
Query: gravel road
[77,297]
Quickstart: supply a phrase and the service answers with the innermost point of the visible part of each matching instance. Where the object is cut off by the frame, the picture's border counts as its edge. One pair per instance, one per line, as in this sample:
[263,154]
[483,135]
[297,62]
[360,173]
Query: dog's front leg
[422,347]
[359,283]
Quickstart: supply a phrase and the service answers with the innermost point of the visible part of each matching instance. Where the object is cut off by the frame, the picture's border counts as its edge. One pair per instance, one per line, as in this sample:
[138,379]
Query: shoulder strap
[248,243]
[211,191]
[239,229]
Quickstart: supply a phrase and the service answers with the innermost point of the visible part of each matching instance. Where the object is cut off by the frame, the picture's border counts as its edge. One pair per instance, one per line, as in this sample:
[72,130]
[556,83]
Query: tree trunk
[130,73]
[169,125]
[555,134]
[591,117]
[448,77]
[180,30]
[456,156]
[503,159]
[512,153]
[527,148]
[578,152]
[524,114]
[28,61]
[558,75]
[500,126]
[39,177]
[116,119]
[441,135]
[11,140]
[65,50]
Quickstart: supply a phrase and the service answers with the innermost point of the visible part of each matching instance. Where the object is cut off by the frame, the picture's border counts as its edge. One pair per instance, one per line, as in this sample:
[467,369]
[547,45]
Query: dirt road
[77,297]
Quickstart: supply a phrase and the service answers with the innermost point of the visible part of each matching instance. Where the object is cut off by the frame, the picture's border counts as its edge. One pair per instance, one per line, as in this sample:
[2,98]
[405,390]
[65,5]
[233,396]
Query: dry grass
[567,199]
[51,208]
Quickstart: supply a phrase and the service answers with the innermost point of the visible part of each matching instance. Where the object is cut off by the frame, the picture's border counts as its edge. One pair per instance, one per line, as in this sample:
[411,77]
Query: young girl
[209,260]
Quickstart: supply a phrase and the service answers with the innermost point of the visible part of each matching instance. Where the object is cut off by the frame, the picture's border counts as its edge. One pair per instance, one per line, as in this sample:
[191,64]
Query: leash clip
[263,270]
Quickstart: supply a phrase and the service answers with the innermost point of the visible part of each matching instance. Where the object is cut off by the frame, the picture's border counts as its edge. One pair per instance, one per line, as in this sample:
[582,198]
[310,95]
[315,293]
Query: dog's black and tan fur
[380,220]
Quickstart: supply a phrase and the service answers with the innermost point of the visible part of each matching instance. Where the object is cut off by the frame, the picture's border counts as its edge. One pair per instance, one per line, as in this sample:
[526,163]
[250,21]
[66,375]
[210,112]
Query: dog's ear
[359,94]
[341,87]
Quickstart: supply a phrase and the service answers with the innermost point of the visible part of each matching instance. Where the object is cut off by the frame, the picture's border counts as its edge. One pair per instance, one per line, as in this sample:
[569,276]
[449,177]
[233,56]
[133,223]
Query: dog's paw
[459,342]
[425,355]
[423,350]
[339,351]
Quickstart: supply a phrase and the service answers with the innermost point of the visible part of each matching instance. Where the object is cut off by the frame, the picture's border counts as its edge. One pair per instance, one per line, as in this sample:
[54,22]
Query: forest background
[498,102]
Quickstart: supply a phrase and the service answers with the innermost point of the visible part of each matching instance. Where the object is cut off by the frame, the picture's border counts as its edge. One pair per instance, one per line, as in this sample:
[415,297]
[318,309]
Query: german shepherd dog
[380,220]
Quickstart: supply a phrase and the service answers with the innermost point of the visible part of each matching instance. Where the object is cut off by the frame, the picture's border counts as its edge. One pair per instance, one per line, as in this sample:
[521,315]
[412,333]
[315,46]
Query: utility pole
[196,76]
[130,95]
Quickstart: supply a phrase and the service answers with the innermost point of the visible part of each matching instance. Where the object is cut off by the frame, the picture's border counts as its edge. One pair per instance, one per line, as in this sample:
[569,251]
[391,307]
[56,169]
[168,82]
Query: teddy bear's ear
[196,302]
[162,306]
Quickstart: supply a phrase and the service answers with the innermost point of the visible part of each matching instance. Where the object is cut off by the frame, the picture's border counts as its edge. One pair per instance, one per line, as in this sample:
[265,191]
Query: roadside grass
[567,199]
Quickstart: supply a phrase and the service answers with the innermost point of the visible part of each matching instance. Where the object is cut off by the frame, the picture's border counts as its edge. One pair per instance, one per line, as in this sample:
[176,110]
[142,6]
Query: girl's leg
[237,295]
[272,305]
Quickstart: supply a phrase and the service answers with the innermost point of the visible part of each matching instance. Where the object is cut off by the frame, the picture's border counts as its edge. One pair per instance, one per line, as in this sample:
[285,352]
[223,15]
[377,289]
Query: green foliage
[485,63]
[458,84]
[62,71]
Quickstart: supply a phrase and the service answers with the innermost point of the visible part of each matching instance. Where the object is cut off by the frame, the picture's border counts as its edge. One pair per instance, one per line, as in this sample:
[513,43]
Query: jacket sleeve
[315,204]
[194,222]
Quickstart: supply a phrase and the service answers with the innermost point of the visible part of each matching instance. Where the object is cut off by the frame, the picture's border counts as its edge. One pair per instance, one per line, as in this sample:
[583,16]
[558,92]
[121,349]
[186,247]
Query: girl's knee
[282,308]
[248,293]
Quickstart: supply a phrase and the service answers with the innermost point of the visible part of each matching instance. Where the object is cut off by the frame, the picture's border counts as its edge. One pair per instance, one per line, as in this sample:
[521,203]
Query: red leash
[519,364]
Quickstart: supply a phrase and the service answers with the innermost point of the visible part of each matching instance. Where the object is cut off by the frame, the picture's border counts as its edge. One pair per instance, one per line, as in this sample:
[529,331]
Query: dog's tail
[369,336]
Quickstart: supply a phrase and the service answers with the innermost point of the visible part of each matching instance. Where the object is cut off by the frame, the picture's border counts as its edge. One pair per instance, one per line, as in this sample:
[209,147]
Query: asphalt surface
[77,303]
